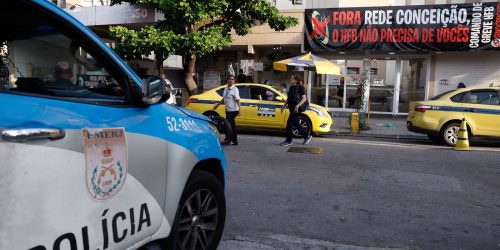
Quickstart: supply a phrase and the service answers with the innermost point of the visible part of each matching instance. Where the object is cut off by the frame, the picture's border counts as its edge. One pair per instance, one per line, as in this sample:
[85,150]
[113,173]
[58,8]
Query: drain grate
[305,150]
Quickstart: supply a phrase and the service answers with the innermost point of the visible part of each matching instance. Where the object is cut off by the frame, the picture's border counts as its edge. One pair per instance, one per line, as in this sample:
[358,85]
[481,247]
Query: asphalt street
[361,193]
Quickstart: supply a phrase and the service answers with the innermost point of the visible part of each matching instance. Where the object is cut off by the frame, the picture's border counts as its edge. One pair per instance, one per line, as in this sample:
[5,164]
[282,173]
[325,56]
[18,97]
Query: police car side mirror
[279,98]
[153,90]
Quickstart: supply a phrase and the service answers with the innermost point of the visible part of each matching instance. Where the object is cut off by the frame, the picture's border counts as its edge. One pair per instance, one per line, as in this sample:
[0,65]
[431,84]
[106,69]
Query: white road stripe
[379,143]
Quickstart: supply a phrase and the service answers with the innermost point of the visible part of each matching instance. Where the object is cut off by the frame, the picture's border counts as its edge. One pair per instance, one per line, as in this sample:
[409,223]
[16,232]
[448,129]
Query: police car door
[78,170]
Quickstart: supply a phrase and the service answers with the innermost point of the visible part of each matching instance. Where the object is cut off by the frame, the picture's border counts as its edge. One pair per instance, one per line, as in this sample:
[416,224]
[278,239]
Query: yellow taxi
[261,108]
[440,117]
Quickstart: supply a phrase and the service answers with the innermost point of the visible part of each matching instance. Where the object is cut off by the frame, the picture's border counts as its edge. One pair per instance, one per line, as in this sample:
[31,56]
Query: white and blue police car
[91,156]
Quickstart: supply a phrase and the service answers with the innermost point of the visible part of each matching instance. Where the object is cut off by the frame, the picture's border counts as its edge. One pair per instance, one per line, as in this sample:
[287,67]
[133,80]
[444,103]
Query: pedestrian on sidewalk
[242,78]
[231,98]
[296,101]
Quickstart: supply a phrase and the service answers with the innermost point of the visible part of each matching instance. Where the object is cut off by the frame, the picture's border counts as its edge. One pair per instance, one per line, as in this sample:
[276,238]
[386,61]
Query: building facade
[396,77]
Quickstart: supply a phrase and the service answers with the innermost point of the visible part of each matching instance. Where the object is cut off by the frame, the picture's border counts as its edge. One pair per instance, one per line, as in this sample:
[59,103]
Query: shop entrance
[393,84]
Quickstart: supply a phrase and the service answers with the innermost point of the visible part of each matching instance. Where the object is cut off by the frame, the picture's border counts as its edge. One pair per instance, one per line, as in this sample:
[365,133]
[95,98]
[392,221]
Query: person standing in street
[231,98]
[296,97]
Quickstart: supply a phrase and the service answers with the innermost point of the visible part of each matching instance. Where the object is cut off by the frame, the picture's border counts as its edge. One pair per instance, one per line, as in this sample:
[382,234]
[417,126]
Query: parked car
[440,117]
[261,108]
[92,156]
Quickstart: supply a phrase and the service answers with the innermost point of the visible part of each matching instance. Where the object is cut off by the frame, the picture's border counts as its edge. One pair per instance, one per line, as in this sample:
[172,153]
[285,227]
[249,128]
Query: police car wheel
[305,124]
[449,133]
[201,214]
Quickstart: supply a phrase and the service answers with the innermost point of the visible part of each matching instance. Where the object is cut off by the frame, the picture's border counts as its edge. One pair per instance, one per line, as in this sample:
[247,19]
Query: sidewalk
[379,126]
[282,242]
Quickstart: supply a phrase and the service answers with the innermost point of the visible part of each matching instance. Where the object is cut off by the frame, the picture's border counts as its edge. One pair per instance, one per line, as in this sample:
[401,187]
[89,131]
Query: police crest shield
[105,161]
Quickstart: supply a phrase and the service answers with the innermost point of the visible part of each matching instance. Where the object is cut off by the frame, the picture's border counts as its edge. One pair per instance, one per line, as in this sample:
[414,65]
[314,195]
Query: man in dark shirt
[296,97]
[242,78]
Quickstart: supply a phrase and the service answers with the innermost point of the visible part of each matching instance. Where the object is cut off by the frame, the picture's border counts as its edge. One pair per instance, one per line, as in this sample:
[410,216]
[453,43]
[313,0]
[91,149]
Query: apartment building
[397,76]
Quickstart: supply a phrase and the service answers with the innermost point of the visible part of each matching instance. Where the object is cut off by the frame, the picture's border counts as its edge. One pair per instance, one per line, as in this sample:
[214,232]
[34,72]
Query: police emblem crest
[105,161]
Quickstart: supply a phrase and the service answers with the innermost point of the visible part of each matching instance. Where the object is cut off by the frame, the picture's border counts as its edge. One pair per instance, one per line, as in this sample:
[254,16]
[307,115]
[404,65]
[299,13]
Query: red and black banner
[454,27]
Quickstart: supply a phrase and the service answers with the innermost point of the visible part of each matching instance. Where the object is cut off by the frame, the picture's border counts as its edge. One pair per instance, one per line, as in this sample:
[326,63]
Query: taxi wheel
[304,122]
[449,133]
[201,214]
[214,116]
[211,114]
[222,125]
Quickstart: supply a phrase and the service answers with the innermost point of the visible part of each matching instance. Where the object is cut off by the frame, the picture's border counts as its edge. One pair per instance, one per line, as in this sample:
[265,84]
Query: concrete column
[428,73]
[367,65]
[397,86]
[309,82]
[327,90]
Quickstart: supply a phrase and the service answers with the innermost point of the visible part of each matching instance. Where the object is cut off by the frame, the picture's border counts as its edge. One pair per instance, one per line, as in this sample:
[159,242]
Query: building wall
[471,68]
[316,4]
[264,35]
[363,3]
[428,2]
[313,4]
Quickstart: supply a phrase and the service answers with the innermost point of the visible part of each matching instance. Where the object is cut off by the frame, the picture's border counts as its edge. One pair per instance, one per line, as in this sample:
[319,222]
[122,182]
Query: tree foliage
[194,28]
[135,44]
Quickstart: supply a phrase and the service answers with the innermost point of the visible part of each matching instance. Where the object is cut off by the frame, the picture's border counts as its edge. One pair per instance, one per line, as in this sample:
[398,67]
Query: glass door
[412,83]
[382,82]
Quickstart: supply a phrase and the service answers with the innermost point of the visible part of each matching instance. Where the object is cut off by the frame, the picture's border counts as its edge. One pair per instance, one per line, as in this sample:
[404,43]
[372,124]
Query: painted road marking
[377,143]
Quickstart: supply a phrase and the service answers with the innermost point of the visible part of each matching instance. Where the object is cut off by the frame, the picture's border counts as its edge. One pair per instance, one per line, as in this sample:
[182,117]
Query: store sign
[458,27]
[377,82]
[444,82]
[93,81]
[211,79]
[258,66]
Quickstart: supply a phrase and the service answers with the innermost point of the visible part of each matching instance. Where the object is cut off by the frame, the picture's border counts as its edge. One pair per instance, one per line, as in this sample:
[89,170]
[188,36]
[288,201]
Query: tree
[194,28]
[361,81]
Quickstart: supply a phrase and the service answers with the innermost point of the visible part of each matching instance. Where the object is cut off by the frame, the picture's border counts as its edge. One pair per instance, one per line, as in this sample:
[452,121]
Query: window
[264,94]
[257,93]
[49,59]
[486,97]
[352,70]
[243,90]
[270,95]
[220,91]
[440,95]
[458,97]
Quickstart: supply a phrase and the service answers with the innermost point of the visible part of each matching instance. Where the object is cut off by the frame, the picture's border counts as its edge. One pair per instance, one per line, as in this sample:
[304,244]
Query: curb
[278,241]
[383,136]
